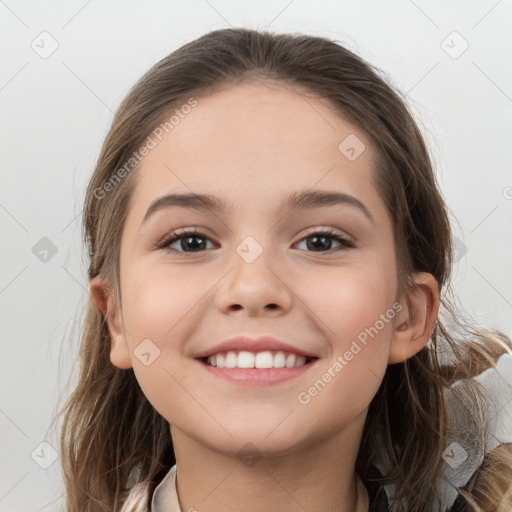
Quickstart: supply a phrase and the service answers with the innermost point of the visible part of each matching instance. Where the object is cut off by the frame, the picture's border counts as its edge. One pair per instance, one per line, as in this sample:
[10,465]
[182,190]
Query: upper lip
[263,343]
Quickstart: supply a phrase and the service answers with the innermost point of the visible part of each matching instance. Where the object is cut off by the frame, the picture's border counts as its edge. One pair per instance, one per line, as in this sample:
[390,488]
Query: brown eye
[189,241]
[322,241]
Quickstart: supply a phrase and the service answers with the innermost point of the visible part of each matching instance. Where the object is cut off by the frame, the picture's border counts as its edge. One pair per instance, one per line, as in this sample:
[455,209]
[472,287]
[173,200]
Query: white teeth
[231,360]
[265,359]
[245,359]
[279,360]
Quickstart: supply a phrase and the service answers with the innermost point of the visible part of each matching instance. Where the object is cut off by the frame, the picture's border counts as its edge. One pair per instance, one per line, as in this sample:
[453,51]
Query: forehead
[255,141]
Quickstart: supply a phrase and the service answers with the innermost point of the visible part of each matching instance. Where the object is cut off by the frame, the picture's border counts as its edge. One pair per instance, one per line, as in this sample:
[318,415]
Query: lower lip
[263,376]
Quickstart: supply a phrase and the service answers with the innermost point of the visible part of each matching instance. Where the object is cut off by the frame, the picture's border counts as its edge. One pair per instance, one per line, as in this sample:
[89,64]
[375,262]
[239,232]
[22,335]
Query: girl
[268,254]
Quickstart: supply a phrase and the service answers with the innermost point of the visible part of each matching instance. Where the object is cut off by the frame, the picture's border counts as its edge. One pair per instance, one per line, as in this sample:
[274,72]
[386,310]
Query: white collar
[165,497]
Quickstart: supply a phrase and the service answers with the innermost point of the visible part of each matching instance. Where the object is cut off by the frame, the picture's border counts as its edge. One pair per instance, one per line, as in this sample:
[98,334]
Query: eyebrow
[301,200]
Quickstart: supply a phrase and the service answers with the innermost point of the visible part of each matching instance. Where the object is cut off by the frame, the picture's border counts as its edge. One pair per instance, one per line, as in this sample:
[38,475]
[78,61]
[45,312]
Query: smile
[261,360]
[256,368]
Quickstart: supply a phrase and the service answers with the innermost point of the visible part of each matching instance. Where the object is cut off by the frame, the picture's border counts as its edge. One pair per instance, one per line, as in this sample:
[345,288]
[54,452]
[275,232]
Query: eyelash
[179,234]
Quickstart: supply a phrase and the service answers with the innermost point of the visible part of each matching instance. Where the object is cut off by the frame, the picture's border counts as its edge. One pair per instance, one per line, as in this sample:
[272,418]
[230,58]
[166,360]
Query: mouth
[256,368]
[260,360]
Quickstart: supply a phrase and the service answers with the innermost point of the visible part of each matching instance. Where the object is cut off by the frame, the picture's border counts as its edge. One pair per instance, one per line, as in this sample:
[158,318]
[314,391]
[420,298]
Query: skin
[252,144]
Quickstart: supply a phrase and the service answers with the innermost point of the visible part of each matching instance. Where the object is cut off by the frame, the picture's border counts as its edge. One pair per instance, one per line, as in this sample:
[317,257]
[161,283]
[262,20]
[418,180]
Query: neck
[318,477]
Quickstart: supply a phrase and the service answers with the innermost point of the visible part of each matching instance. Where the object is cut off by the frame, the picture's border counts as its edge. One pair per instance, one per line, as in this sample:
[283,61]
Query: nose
[256,287]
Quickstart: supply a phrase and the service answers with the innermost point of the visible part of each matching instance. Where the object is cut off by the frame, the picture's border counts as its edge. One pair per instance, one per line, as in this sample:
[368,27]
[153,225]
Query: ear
[119,350]
[415,322]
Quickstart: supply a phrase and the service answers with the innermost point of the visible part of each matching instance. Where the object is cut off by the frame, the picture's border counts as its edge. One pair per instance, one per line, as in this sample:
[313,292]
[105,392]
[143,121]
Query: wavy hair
[112,438]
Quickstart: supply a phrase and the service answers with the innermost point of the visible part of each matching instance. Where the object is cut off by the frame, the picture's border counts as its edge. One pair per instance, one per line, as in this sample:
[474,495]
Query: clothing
[165,497]
[461,464]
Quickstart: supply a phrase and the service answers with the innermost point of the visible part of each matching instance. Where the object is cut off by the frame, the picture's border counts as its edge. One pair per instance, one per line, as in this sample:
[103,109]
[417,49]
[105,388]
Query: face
[320,278]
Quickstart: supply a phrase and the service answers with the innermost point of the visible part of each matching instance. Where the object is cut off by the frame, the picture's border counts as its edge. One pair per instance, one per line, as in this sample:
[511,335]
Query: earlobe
[416,319]
[119,350]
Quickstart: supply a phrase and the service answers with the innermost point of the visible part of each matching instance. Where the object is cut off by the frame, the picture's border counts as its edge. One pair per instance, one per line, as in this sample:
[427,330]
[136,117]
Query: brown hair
[112,437]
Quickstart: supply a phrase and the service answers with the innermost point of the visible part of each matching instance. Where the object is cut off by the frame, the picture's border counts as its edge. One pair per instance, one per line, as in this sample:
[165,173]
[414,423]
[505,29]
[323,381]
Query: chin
[256,442]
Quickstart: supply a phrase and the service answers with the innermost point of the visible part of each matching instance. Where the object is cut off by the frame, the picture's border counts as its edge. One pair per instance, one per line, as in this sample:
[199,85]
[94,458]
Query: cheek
[356,310]
[161,307]
[349,299]
[156,300]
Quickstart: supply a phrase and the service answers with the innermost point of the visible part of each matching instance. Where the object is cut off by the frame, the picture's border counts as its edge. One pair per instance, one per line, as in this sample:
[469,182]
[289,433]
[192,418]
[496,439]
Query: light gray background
[56,112]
